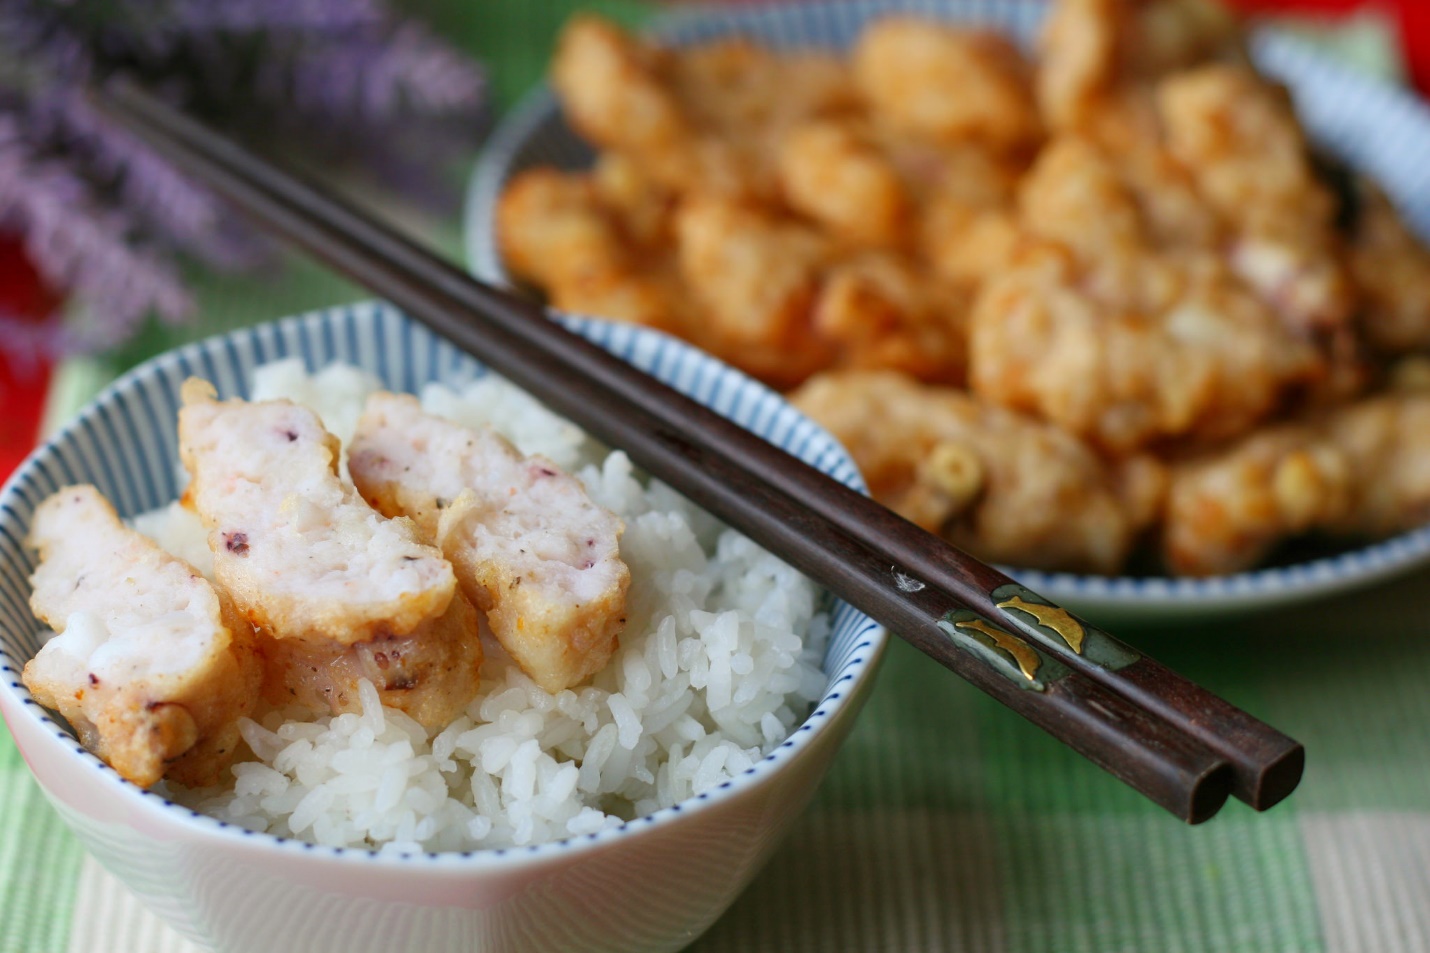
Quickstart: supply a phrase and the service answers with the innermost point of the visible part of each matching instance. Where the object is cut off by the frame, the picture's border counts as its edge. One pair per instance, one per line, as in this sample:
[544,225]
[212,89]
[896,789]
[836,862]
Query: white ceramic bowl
[653,884]
[1374,127]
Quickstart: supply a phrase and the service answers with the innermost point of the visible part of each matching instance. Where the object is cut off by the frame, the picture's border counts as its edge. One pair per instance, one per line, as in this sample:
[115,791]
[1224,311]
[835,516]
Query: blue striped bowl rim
[125,443]
[1376,128]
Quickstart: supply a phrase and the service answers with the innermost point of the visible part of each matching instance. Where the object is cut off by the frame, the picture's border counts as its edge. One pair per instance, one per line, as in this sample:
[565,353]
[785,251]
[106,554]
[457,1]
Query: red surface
[1414,17]
[24,375]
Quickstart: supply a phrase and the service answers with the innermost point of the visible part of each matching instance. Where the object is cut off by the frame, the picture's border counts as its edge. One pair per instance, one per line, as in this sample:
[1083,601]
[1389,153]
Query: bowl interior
[1371,126]
[125,443]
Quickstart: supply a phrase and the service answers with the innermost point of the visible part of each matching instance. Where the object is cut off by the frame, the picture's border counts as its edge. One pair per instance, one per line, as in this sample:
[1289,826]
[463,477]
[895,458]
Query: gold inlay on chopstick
[1053,617]
[1026,658]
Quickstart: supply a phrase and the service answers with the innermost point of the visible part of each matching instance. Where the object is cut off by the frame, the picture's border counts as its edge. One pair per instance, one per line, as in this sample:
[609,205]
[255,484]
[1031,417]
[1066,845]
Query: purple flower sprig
[106,221]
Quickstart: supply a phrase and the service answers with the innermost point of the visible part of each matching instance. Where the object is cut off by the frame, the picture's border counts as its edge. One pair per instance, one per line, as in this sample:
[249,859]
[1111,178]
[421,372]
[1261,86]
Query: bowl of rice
[624,813]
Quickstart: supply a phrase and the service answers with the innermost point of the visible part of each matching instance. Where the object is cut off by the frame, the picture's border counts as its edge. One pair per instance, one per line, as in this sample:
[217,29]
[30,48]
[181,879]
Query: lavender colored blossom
[256,15]
[106,220]
[77,242]
[373,79]
[176,211]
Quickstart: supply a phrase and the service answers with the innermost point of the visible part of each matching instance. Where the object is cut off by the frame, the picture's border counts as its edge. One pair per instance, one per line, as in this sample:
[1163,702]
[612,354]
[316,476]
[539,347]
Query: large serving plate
[1373,127]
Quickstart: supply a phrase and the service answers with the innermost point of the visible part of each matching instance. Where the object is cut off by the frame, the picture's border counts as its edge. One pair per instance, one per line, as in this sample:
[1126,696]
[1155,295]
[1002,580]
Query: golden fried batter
[1238,137]
[529,547]
[306,560]
[430,672]
[754,277]
[1129,238]
[1387,441]
[1091,48]
[613,90]
[947,84]
[1074,195]
[641,207]
[1391,267]
[882,312]
[1005,486]
[554,230]
[149,664]
[1363,471]
[1133,352]
[835,175]
[703,121]
[1225,511]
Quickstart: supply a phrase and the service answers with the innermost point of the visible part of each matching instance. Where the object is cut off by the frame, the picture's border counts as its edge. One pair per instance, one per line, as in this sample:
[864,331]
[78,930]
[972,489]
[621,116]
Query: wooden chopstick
[1175,742]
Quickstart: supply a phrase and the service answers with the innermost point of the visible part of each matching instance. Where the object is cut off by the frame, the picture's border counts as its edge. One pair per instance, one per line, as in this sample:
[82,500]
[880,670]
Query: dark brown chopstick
[1170,739]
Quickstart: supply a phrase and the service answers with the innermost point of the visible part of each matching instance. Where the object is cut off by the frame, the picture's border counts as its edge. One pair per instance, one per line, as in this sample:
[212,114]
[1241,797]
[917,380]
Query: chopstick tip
[1208,794]
[1279,778]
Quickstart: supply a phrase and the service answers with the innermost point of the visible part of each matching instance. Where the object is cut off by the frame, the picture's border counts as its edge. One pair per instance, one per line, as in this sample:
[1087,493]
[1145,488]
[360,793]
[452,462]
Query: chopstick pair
[1178,744]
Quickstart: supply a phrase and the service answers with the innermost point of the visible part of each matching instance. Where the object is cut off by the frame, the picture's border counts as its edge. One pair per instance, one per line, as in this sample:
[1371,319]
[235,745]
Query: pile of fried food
[1063,310]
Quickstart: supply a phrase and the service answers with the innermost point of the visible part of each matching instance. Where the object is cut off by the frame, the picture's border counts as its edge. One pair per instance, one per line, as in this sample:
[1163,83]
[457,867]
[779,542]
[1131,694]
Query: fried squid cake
[149,665]
[529,546]
[336,591]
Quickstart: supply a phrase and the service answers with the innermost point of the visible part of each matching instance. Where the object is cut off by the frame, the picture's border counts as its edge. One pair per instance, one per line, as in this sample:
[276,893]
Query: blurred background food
[1107,277]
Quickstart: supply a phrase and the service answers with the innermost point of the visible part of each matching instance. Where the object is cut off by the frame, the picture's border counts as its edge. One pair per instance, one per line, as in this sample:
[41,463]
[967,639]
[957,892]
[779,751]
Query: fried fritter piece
[552,228]
[1075,196]
[1238,137]
[305,559]
[835,175]
[962,198]
[725,86]
[1391,267]
[529,546]
[1151,334]
[1237,133]
[149,665]
[615,90]
[430,673]
[1362,471]
[554,231]
[1134,351]
[947,84]
[641,207]
[1226,510]
[964,244]
[882,311]
[620,93]
[1091,48]
[1079,64]
[698,120]
[302,555]
[753,276]
[1114,191]
[1208,156]
[969,172]
[1387,441]
[1006,487]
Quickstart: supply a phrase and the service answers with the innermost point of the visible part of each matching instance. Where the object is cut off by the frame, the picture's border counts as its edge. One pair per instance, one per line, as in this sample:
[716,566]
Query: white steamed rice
[719,661]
